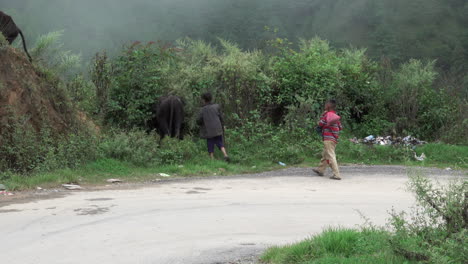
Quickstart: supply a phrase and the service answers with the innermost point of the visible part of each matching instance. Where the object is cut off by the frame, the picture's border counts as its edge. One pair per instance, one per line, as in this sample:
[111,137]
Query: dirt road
[215,220]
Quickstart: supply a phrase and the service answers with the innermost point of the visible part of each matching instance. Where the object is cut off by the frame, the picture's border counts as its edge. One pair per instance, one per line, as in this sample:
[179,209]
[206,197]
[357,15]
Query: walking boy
[331,127]
[211,124]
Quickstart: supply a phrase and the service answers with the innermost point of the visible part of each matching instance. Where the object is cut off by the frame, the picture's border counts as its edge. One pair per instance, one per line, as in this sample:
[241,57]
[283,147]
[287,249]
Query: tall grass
[337,245]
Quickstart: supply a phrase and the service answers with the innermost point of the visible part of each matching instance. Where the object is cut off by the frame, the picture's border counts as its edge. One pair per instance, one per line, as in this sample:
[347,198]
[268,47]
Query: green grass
[438,155]
[97,172]
[333,246]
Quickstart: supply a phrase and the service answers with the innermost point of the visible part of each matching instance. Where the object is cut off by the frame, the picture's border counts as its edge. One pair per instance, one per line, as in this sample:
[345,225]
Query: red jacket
[330,132]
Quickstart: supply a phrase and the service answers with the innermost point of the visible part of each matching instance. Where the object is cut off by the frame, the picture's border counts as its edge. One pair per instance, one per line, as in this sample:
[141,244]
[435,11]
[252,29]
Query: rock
[420,158]
[71,187]
[114,180]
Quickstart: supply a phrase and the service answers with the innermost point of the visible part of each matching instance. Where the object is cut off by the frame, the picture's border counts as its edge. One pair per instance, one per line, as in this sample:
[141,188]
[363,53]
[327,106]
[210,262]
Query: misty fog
[395,28]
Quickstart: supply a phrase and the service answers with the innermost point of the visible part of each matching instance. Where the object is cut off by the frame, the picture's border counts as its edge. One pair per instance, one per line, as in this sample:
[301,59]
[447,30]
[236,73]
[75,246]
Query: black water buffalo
[168,117]
[9,29]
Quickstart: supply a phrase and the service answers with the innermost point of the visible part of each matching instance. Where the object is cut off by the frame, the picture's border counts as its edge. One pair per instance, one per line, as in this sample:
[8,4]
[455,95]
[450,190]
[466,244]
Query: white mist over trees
[397,29]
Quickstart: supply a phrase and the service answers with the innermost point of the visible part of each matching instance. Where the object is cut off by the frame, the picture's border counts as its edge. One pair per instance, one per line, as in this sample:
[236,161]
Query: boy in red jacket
[331,127]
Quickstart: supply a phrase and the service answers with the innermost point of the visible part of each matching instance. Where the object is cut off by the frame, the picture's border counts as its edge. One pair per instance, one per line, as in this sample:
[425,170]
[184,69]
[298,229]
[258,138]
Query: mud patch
[247,244]
[193,192]
[9,210]
[99,199]
[94,210]
[202,189]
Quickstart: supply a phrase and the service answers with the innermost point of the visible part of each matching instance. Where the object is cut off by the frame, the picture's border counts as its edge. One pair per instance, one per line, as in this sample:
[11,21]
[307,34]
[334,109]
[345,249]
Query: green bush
[237,78]
[24,150]
[174,151]
[143,149]
[317,72]
[83,93]
[140,77]
[136,147]
[437,230]
[414,106]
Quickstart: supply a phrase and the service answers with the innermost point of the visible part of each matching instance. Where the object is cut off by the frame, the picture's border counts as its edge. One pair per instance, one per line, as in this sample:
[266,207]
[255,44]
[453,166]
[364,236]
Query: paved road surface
[215,220]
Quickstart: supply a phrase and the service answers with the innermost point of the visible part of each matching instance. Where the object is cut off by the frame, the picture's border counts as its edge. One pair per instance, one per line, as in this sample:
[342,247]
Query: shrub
[24,150]
[83,93]
[237,78]
[48,52]
[174,151]
[317,72]
[414,105]
[139,79]
[136,147]
[438,229]
[101,76]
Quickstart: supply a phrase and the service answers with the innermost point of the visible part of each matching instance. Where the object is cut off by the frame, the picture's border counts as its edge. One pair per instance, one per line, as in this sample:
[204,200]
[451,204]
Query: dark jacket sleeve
[200,117]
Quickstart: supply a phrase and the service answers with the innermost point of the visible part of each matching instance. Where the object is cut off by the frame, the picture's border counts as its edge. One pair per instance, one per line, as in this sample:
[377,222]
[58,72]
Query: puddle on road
[94,210]
[99,199]
[202,189]
[247,244]
[9,210]
[193,192]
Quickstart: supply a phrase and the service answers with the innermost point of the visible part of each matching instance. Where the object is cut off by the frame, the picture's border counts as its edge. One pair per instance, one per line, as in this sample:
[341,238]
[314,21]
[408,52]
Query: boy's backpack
[318,129]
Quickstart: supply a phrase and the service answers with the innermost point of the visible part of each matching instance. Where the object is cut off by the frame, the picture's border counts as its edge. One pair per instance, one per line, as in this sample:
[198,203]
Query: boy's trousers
[329,158]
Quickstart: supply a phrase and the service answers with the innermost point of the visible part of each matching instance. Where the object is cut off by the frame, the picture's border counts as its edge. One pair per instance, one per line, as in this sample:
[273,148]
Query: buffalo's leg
[10,38]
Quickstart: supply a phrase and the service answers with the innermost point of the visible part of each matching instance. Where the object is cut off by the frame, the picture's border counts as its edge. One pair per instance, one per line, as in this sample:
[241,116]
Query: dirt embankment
[30,97]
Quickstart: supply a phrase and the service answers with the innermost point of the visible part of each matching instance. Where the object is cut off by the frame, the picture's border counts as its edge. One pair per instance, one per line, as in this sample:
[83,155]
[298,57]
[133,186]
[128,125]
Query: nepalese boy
[331,127]
[211,124]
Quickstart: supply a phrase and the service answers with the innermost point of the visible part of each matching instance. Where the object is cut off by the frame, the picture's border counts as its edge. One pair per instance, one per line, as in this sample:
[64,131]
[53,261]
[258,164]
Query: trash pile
[3,191]
[388,141]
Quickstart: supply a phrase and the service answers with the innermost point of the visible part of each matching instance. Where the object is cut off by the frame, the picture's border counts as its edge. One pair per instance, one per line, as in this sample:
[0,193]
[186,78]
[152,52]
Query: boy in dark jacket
[211,124]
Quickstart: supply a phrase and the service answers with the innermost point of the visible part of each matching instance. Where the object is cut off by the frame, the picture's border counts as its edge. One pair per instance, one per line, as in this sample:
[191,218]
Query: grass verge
[192,161]
[346,246]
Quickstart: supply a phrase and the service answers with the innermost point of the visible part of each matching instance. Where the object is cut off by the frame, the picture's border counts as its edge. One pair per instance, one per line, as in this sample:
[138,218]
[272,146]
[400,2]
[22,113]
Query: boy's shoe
[318,172]
[227,159]
[334,177]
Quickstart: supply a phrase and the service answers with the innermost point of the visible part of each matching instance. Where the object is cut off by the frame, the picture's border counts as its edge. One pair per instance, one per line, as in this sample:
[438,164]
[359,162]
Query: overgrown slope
[31,97]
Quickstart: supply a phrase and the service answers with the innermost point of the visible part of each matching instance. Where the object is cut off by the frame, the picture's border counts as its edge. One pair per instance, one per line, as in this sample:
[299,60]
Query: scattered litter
[388,141]
[38,188]
[254,167]
[2,187]
[281,163]
[164,175]
[180,166]
[114,180]
[71,187]
[448,169]
[5,193]
[420,158]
